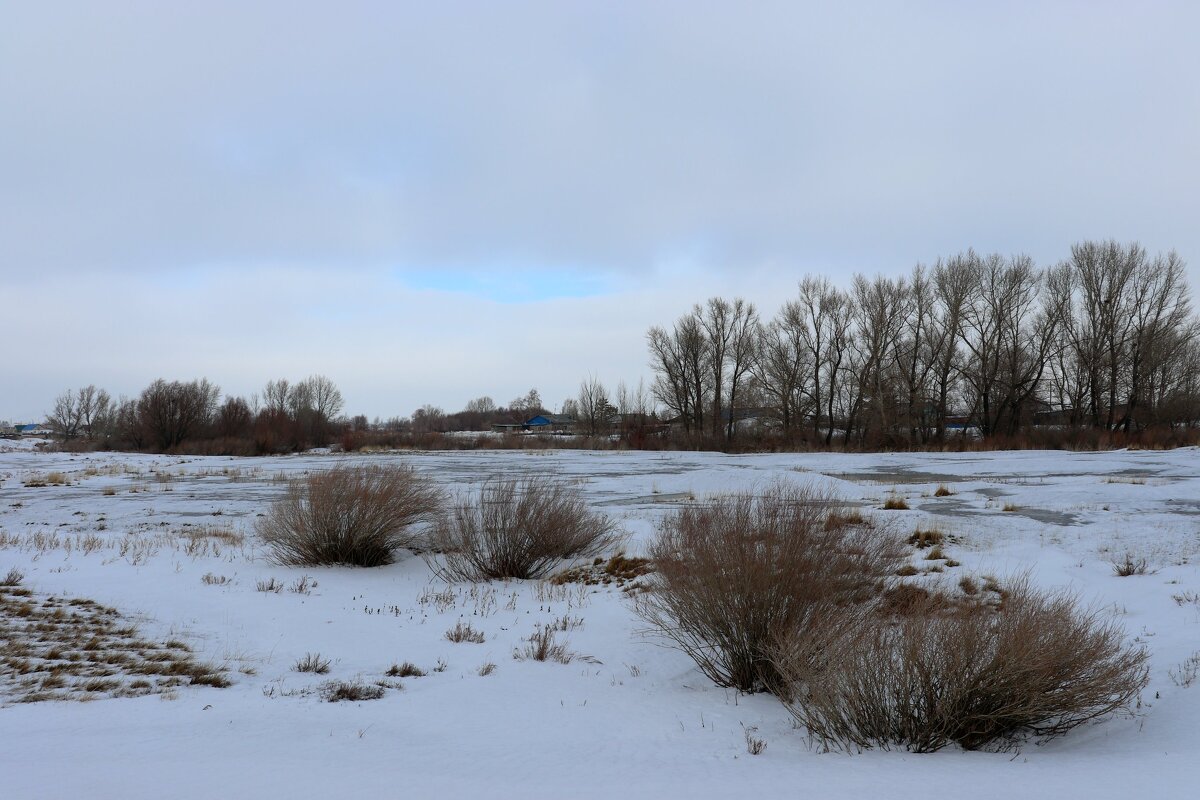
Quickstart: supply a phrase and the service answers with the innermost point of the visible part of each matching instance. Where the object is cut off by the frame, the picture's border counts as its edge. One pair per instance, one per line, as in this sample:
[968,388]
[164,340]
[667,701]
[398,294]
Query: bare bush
[972,674]
[349,515]
[737,573]
[523,529]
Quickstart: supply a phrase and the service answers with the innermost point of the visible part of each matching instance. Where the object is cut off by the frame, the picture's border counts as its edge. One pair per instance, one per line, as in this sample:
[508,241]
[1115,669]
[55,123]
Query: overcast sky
[429,202]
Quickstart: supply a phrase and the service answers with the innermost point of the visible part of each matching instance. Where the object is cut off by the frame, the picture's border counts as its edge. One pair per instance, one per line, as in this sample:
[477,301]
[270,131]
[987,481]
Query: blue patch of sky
[509,285]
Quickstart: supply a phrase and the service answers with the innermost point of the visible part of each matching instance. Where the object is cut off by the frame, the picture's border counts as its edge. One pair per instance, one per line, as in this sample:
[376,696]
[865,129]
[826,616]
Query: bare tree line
[175,415]
[1104,340]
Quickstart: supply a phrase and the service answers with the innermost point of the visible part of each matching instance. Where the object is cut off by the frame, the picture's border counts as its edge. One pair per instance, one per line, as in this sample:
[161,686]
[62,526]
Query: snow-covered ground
[634,719]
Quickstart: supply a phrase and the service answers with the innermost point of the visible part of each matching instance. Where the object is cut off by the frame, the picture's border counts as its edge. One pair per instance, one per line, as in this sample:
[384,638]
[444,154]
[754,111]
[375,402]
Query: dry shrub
[514,529]
[943,491]
[895,502]
[349,515]
[737,573]
[971,674]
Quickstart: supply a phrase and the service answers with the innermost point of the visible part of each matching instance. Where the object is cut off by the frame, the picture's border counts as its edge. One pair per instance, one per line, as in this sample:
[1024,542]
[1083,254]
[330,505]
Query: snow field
[628,716]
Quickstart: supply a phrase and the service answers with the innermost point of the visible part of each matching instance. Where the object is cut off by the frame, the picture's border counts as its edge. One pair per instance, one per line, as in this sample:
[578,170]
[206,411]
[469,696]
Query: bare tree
[86,412]
[95,411]
[316,403]
[481,405]
[528,405]
[785,362]
[276,395]
[234,419]
[172,412]
[66,418]
[593,405]
[919,352]
[1159,330]
[742,354]
[1009,338]
[428,419]
[729,331]
[680,359]
[1103,271]
[953,281]
[881,305]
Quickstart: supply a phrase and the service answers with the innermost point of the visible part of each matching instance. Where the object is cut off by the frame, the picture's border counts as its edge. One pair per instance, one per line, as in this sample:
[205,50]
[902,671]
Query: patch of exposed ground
[59,648]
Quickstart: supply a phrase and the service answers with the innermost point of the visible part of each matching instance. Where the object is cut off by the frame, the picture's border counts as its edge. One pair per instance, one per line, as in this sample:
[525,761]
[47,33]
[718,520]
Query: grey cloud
[142,135]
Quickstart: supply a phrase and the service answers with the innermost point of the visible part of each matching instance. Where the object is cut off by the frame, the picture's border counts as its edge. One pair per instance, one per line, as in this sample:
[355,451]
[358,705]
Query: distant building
[550,423]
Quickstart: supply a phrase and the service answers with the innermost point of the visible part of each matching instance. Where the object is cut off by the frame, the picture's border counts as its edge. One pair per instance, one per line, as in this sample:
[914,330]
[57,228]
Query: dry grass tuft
[521,530]
[927,538]
[754,745]
[943,491]
[846,517]
[312,662]
[541,646]
[349,515]
[895,502]
[619,570]
[1130,565]
[271,585]
[405,670]
[1185,674]
[353,691]
[465,633]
